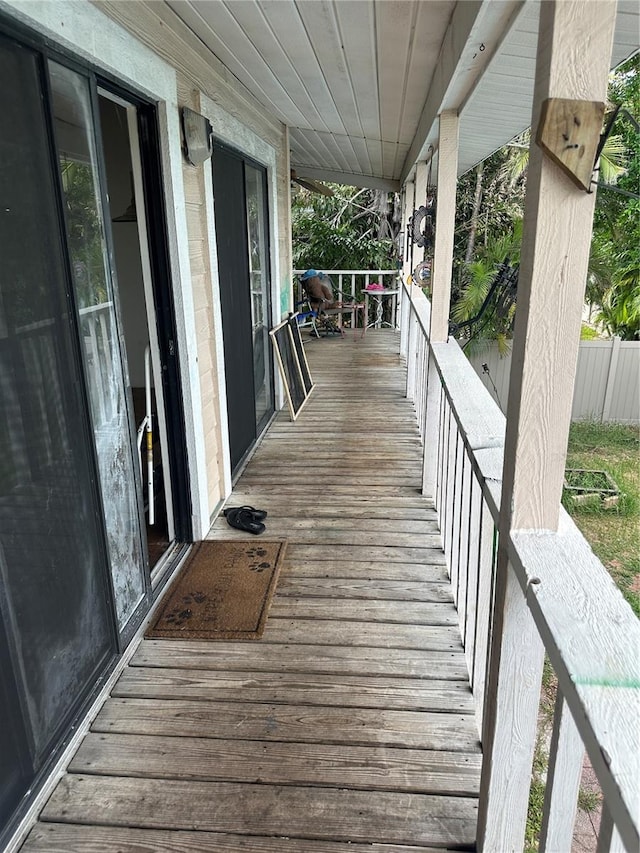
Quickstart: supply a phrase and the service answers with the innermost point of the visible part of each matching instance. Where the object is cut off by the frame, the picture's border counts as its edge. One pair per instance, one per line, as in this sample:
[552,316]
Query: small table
[379,296]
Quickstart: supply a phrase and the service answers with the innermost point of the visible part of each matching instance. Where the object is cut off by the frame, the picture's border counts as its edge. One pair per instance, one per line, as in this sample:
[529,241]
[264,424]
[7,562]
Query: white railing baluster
[446,458]
[463,547]
[452,456]
[506,780]
[456,518]
[405,308]
[473,567]
[566,754]
[411,361]
[441,451]
[425,393]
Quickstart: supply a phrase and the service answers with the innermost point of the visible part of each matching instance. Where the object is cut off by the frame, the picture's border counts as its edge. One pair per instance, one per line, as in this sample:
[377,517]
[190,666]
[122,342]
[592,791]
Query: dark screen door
[57,626]
[235,297]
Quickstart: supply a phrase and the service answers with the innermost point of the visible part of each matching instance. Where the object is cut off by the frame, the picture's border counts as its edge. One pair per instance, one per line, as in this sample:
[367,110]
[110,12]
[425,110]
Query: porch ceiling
[360,82]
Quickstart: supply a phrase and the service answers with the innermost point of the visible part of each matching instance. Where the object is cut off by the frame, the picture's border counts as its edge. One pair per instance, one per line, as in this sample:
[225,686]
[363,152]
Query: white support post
[445,226]
[574,51]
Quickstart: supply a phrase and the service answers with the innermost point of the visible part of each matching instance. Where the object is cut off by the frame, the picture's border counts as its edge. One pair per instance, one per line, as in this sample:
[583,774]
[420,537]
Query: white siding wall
[607,385]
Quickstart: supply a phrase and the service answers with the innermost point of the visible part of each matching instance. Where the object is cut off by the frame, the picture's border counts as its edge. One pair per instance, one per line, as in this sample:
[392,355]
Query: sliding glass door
[57,626]
[240,199]
[100,339]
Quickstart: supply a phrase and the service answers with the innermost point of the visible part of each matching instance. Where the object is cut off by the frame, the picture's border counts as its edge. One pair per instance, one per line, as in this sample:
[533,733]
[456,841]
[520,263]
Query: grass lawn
[614,534]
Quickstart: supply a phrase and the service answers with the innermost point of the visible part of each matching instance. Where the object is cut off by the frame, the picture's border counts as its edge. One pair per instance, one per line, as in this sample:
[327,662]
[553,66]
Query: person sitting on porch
[319,293]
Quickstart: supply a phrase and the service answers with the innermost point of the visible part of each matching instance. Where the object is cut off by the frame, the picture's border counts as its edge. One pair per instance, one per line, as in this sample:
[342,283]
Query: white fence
[564,601]
[607,386]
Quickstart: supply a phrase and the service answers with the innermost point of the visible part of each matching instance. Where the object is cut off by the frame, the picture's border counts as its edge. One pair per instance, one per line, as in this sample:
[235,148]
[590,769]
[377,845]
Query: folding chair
[307,317]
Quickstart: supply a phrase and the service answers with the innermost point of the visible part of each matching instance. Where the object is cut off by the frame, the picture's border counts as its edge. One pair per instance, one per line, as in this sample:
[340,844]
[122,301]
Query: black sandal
[258,514]
[241,519]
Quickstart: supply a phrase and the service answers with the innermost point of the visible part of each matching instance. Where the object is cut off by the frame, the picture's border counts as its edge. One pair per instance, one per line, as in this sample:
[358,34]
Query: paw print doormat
[223,592]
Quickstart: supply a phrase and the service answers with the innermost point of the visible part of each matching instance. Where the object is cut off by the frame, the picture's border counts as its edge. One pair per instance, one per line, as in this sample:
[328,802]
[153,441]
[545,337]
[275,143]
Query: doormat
[223,592]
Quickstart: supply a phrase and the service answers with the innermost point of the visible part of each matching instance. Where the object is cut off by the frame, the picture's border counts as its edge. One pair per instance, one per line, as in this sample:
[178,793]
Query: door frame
[247,160]
[230,132]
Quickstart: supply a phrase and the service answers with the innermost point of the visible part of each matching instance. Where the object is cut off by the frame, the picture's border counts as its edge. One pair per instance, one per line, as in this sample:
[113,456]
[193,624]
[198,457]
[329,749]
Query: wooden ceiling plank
[216,26]
[348,151]
[285,21]
[374,147]
[356,23]
[320,20]
[394,23]
[316,143]
[430,26]
[273,45]
[332,141]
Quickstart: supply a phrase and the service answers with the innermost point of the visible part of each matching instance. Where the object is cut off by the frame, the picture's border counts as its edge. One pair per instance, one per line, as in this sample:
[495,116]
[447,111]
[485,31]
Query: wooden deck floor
[349,726]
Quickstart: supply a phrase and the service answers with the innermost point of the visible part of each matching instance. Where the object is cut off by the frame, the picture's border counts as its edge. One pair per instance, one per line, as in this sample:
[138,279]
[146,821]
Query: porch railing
[568,602]
[348,283]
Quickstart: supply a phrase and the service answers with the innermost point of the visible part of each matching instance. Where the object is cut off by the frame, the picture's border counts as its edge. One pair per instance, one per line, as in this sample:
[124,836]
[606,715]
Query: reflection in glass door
[100,338]
[255,181]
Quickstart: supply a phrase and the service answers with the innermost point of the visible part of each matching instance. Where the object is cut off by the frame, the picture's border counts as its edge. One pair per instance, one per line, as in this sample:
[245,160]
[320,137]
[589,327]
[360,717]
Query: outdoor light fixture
[196,131]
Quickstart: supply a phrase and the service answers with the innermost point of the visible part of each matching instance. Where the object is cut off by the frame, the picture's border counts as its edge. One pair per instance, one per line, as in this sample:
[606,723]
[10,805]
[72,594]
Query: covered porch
[351,723]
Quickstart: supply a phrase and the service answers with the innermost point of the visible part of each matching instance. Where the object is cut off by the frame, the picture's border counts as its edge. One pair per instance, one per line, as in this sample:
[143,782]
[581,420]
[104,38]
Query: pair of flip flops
[246,518]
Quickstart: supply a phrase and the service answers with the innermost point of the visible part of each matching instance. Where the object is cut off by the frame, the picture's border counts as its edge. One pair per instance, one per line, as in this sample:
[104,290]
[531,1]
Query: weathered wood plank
[329,536]
[300,527]
[351,459]
[299,723]
[75,838]
[348,510]
[403,612]
[397,484]
[294,689]
[206,759]
[353,633]
[308,491]
[345,502]
[273,657]
[364,569]
[263,809]
[299,452]
[377,553]
[349,588]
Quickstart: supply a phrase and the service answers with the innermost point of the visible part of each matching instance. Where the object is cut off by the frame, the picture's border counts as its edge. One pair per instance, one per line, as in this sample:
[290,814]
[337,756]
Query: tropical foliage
[353,229]
[490,210]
